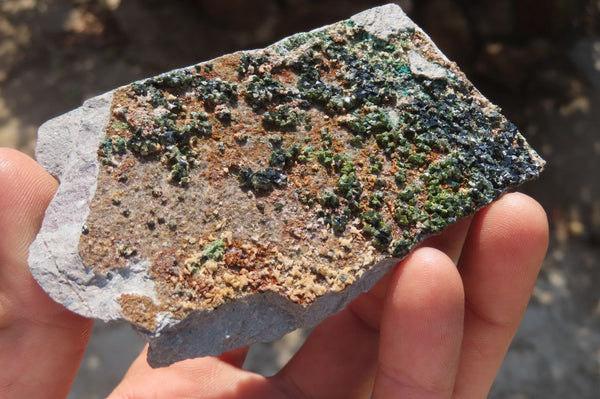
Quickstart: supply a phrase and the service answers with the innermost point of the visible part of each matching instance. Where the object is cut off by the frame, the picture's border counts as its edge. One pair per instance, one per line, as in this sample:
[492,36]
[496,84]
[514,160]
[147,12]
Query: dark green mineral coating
[447,153]
[282,118]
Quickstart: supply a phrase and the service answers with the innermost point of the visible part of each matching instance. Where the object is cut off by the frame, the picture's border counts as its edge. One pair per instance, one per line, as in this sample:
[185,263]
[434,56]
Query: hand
[41,343]
[429,329]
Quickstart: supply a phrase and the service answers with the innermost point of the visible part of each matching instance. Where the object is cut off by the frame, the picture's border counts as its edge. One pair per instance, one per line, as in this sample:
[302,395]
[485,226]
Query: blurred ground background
[538,59]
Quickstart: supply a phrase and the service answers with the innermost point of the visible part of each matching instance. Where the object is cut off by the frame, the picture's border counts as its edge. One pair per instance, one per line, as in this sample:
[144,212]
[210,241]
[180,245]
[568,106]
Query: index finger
[499,265]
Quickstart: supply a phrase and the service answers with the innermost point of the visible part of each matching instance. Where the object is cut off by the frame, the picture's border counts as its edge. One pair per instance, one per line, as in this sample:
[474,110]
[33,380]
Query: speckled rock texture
[236,200]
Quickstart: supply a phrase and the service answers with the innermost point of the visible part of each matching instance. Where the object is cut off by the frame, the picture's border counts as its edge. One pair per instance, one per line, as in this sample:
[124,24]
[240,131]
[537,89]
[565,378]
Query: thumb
[25,192]
[41,340]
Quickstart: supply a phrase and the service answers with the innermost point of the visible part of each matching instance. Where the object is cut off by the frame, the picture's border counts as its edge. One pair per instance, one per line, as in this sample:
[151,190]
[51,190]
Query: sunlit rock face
[235,200]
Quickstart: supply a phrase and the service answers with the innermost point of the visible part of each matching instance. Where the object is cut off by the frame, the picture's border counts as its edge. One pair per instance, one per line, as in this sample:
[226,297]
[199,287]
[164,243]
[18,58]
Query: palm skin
[437,326]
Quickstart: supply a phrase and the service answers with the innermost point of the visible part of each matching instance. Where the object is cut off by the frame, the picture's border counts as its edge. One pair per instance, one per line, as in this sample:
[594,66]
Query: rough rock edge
[255,318]
[266,317]
[384,21]
[68,149]
[68,153]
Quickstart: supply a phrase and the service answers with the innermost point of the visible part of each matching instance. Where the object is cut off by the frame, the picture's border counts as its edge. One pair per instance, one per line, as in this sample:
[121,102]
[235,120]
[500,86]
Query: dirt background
[538,59]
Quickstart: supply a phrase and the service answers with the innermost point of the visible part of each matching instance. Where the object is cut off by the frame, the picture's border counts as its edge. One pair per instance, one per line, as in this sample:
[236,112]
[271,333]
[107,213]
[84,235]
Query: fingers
[327,368]
[206,377]
[343,345]
[421,329]
[420,311]
[499,265]
[37,336]
[336,361]
[235,357]
[451,240]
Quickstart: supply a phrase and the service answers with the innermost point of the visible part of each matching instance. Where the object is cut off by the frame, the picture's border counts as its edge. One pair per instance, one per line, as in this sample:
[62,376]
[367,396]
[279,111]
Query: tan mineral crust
[235,200]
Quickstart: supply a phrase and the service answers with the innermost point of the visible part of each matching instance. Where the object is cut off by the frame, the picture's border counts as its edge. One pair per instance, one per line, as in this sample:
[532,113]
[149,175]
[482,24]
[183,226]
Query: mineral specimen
[238,199]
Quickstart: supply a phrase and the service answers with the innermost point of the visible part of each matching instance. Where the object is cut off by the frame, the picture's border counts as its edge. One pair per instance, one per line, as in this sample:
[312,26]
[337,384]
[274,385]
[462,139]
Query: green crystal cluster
[446,153]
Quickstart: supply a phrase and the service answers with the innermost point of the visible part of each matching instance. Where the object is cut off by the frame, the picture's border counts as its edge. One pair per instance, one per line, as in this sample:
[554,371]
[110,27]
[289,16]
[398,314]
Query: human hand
[429,329]
[41,343]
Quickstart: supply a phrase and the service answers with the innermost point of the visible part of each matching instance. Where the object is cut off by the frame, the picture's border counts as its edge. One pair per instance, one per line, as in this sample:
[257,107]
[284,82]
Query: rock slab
[235,200]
